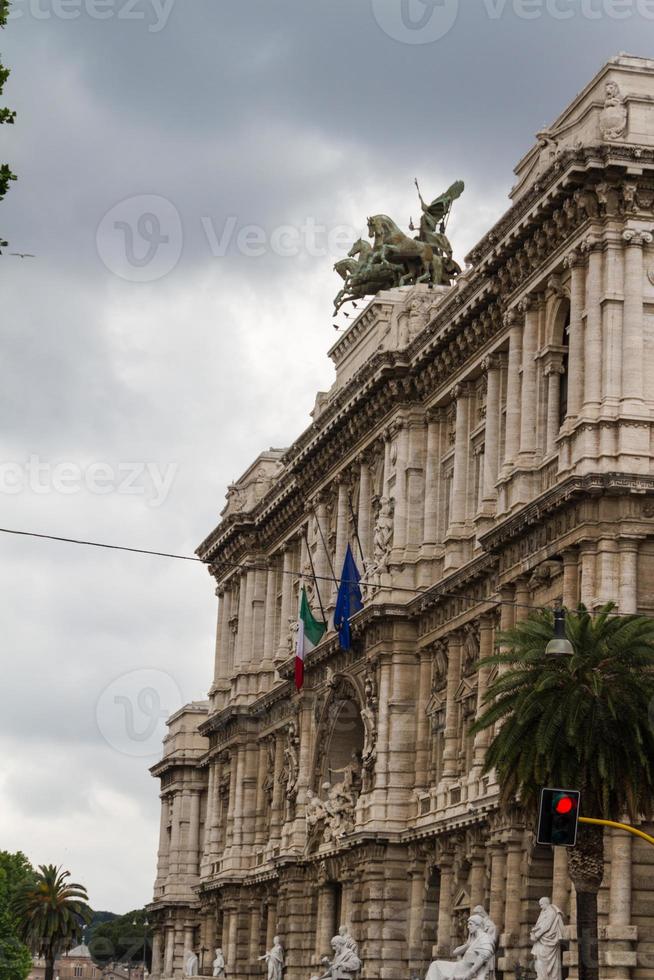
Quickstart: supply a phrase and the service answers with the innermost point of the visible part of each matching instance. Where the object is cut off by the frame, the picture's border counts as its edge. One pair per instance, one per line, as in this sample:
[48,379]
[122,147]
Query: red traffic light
[564,805]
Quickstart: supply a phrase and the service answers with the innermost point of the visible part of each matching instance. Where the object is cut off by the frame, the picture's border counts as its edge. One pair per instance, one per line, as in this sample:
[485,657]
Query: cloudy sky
[187,170]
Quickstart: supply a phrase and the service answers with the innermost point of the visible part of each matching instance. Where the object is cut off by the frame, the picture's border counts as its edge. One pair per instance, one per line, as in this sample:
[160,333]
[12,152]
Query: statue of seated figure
[478,956]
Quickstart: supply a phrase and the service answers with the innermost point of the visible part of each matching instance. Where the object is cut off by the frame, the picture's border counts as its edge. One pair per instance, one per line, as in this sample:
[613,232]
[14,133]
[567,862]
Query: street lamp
[145,934]
[560,643]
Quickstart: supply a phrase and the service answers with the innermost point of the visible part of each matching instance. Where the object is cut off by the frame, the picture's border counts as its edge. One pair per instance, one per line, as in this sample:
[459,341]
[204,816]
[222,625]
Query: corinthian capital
[462,390]
[493,361]
[511,317]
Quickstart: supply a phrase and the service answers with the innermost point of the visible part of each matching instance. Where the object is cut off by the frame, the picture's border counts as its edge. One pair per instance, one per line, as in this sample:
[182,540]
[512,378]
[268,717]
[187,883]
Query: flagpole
[313,572]
[356,531]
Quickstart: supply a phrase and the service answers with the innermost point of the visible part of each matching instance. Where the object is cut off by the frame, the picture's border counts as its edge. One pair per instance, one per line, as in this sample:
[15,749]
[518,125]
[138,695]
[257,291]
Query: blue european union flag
[348,601]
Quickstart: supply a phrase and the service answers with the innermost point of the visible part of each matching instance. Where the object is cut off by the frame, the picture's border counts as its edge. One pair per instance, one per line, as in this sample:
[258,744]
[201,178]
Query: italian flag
[310,633]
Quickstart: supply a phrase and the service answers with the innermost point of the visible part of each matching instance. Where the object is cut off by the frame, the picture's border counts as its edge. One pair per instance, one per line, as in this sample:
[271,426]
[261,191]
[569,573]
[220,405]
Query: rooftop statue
[396,259]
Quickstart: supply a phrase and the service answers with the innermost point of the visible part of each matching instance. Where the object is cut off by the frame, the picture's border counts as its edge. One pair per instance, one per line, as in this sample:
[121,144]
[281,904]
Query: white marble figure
[491,931]
[219,964]
[346,960]
[275,959]
[546,937]
[190,964]
[477,958]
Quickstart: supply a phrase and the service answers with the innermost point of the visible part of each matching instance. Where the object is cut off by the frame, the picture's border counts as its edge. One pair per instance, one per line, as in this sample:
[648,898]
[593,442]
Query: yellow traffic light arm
[620,826]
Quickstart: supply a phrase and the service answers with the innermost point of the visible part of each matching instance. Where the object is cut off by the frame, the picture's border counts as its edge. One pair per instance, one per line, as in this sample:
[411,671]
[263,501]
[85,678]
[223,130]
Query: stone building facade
[492,443]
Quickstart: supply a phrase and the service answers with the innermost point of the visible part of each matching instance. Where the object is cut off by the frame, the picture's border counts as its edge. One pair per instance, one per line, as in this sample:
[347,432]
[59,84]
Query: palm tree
[52,914]
[577,721]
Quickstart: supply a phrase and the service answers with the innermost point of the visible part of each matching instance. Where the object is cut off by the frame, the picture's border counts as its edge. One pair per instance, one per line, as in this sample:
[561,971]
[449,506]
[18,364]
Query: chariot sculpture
[396,259]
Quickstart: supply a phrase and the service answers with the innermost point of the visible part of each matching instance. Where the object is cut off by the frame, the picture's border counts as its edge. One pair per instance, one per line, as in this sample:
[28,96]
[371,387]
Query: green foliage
[52,912]
[120,939]
[6,115]
[582,721]
[15,959]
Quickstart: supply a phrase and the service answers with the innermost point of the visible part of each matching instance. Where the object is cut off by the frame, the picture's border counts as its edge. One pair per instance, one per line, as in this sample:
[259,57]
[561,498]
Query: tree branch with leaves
[6,115]
[581,721]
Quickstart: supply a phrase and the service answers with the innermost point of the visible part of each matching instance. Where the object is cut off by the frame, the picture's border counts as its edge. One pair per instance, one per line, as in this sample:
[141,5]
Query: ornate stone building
[492,441]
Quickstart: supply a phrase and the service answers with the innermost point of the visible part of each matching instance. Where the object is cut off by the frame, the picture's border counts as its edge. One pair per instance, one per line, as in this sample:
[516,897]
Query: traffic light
[558,817]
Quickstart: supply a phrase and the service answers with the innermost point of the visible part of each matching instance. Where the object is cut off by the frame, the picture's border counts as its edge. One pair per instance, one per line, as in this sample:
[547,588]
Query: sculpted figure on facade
[478,954]
[274,959]
[369,719]
[546,936]
[219,964]
[345,963]
[490,929]
[190,964]
[290,769]
[339,807]
[614,115]
[268,784]
[383,536]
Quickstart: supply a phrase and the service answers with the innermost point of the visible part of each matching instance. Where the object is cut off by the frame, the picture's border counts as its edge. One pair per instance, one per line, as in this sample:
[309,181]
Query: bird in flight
[23,255]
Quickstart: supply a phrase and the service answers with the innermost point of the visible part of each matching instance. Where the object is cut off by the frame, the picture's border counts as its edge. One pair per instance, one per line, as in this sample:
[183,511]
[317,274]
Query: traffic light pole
[620,826]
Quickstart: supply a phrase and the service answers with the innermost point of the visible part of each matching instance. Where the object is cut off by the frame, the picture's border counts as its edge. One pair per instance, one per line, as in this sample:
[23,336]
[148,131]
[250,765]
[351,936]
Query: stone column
[231,941]
[225,656]
[271,922]
[170,952]
[513,903]
[422,722]
[255,932]
[492,365]
[571,578]
[156,954]
[444,935]
[620,898]
[416,910]
[415,486]
[277,808]
[513,389]
[478,876]
[486,636]
[593,338]
[497,885]
[451,743]
[553,373]
[194,832]
[262,768]
[258,617]
[287,603]
[400,492]
[240,644]
[462,393]
[219,669]
[633,350]
[270,616]
[326,920]
[575,262]
[342,527]
[588,556]
[529,403]
[209,819]
[522,599]
[164,844]
[433,476]
[628,581]
[175,835]
[364,517]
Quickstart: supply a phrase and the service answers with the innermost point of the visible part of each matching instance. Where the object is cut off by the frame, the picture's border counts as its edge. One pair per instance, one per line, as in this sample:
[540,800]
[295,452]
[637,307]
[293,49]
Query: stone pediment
[245,493]
[617,106]
[466,689]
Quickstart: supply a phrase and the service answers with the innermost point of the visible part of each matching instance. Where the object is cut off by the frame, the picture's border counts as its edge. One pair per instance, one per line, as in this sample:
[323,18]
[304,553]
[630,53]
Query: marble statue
[346,962]
[351,773]
[491,931]
[395,259]
[275,959]
[478,956]
[546,937]
[190,964]
[219,964]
